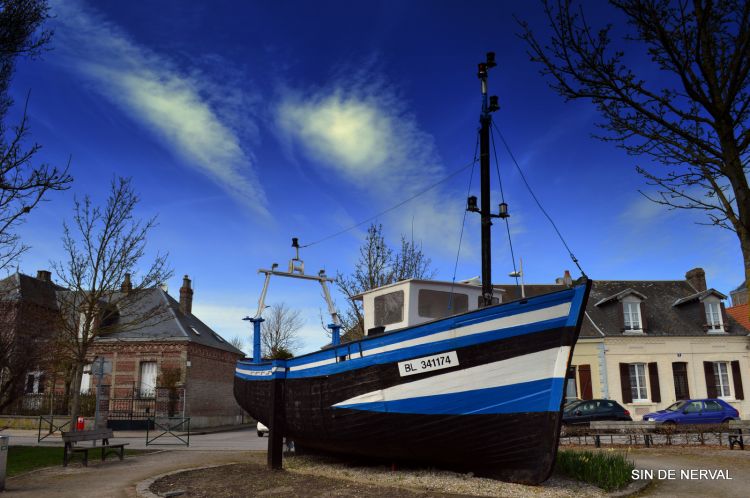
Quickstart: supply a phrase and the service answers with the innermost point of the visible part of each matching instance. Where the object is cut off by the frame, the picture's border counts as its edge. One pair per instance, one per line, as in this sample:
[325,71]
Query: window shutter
[644,324]
[622,318]
[584,374]
[708,368]
[737,377]
[627,395]
[653,378]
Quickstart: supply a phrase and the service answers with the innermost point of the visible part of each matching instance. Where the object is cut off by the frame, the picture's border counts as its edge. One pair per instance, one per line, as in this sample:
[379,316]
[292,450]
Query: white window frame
[635,382]
[632,311]
[86,379]
[145,389]
[714,320]
[723,389]
[37,375]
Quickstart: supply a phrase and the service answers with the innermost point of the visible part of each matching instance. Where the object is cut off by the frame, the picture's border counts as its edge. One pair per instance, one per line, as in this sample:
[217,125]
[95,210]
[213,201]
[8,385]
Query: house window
[86,379]
[721,374]
[713,316]
[437,304]
[571,390]
[148,379]
[34,383]
[638,382]
[632,315]
[389,308]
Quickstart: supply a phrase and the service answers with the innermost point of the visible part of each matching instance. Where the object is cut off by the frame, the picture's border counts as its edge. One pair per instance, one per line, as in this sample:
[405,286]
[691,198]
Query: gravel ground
[319,476]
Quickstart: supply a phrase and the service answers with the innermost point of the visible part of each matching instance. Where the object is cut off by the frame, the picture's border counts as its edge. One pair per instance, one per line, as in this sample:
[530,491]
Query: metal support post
[335,333]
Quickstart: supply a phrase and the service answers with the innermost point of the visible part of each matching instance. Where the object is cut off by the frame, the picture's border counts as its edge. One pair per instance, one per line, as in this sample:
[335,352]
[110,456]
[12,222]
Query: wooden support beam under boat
[276,428]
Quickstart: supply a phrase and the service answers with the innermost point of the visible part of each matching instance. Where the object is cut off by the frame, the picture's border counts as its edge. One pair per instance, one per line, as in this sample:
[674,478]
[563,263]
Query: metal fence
[49,403]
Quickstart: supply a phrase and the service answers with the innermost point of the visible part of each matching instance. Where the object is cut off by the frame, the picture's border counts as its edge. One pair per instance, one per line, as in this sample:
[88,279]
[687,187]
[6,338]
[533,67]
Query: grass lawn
[25,458]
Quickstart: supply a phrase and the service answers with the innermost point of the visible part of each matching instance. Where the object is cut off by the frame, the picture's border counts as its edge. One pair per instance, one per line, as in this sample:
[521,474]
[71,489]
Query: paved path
[735,463]
[114,479]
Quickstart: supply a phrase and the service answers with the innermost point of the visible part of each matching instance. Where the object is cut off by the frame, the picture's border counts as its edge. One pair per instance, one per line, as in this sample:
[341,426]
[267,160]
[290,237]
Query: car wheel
[260,434]
[726,421]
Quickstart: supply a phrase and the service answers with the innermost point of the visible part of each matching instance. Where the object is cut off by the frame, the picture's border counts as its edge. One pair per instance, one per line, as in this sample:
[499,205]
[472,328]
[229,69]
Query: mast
[485,119]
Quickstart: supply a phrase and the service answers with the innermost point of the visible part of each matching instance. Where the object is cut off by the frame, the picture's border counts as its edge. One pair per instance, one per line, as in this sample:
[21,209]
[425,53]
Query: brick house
[174,340]
[28,311]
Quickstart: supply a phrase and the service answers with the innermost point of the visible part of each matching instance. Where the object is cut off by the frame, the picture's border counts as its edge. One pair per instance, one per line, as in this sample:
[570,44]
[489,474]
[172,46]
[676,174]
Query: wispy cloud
[179,105]
[359,128]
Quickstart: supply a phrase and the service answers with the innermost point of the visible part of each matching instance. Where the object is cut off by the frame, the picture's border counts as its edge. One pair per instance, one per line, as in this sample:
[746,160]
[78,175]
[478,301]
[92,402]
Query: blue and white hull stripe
[452,333]
[527,383]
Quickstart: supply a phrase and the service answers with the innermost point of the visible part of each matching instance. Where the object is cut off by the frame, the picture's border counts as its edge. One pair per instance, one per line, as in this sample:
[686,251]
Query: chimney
[697,278]
[186,296]
[127,285]
[567,279]
[44,276]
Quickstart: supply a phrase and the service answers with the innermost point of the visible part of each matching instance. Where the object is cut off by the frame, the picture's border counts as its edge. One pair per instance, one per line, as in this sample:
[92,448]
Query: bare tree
[692,117]
[23,182]
[104,248]
[378,265]
[280,332]
[237,342]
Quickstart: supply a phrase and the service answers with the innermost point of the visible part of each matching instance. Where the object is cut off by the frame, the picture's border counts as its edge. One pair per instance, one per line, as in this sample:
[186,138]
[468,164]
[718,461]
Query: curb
[142,488]
[632,489]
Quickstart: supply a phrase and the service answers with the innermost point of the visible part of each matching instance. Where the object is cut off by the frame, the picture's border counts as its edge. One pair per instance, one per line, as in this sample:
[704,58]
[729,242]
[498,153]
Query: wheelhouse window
[437,304]
[638,382]
[147,388]
[632,313]
[389,308]
[721,374]
[713,316]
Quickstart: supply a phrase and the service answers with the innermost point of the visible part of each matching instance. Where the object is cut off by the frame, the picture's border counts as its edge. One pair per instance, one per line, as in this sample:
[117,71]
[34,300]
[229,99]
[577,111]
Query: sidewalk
[112,478]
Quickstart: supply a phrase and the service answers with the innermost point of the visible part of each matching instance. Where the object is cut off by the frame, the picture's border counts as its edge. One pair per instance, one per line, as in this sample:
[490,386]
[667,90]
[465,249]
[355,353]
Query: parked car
[592,410]
[262,429]
[570,402]
[695,411]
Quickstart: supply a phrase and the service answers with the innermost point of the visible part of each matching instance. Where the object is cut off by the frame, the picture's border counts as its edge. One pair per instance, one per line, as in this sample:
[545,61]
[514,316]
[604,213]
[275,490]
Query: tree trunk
[75,395]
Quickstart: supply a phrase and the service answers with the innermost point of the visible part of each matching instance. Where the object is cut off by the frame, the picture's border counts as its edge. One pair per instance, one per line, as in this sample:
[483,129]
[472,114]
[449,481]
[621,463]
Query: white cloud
[361,130]
[173,103]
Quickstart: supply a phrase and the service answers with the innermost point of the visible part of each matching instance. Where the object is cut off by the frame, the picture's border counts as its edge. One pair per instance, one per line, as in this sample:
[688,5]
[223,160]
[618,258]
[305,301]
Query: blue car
[695,411]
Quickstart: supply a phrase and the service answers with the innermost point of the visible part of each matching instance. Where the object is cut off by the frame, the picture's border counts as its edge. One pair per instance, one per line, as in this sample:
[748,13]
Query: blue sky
[245,124]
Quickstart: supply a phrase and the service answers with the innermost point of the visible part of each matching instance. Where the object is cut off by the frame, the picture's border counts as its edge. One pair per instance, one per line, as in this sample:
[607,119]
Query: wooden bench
[633,430]
[735,436]
[71,438]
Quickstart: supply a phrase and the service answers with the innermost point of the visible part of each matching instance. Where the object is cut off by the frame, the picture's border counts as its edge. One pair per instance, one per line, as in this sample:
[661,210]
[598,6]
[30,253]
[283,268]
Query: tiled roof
[741,314]
[662,317]
[166,322]
[19,286]
[169,323]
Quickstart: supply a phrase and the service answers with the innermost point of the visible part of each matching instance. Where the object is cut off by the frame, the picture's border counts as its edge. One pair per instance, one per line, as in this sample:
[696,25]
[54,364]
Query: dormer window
[713,316]
[632,311]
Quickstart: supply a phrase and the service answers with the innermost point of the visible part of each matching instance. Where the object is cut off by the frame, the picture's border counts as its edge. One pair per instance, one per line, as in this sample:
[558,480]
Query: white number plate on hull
[427,363]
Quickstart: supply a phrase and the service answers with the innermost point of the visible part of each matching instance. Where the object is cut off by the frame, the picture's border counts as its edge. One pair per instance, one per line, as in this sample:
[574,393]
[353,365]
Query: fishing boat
[449,374]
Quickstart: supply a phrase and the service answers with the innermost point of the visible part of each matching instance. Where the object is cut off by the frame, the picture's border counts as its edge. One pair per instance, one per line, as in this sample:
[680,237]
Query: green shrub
[609,471]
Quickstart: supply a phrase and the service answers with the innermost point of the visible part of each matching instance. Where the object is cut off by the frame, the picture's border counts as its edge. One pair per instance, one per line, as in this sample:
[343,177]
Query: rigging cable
[352,227]
[463,224]
[502,198]
[528,187]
